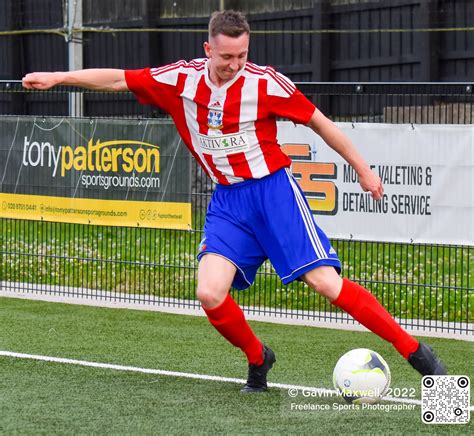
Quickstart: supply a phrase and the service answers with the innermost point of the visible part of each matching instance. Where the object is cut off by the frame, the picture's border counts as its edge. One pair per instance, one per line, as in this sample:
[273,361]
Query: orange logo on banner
[314,178]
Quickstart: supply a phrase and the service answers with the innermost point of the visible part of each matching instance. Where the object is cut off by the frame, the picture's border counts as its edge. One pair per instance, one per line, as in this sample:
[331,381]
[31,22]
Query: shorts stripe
[307,219]
[311,224]
[310,227]
[308,214]
[304,216]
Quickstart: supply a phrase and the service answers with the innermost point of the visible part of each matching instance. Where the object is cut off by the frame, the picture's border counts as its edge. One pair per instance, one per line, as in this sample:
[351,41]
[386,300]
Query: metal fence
[420,103]
[427,287]
[308,40]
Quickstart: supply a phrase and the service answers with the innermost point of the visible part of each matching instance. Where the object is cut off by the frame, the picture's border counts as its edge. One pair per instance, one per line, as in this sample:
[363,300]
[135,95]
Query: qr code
[445,399]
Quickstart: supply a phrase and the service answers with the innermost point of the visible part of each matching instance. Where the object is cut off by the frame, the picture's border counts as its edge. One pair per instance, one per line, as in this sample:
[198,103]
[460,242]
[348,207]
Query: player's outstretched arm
[338,141]
[100,79]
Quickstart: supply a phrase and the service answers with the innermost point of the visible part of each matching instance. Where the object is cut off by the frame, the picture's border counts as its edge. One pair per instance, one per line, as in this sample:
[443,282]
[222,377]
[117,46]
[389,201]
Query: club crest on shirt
[214,120]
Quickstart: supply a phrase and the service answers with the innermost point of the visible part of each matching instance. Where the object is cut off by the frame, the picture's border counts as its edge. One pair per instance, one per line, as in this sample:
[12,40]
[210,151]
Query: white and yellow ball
[361,376]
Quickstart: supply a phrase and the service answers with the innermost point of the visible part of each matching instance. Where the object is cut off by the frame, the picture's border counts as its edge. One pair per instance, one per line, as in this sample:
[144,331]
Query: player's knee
[325,281]
[209,297]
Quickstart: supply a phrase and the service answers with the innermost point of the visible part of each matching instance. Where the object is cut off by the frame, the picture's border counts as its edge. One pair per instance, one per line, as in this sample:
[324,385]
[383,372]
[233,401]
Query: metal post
[74,40]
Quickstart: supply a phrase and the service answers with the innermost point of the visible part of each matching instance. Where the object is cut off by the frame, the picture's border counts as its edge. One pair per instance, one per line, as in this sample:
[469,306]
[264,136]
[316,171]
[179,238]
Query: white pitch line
[321,391]
[119,367]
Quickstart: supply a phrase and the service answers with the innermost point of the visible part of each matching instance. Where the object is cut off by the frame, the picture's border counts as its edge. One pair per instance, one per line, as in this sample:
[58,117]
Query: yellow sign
[100,157]
[164,215]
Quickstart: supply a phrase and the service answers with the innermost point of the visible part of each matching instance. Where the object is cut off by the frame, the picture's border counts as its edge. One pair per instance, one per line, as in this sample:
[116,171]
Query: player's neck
[216,80]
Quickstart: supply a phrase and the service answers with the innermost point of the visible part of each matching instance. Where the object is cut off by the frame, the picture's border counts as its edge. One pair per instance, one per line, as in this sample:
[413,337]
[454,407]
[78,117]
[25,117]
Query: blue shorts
[269,218]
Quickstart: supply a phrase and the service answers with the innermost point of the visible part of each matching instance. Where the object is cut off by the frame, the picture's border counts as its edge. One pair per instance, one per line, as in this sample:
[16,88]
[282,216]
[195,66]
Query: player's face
[227,56]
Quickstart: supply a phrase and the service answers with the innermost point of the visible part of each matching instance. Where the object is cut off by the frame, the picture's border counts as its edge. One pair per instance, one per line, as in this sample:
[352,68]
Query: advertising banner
[98,171]
[427,172]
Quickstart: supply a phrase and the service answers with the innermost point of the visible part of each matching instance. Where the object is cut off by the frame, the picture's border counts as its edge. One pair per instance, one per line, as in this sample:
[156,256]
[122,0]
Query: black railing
[418,103]
[421,103]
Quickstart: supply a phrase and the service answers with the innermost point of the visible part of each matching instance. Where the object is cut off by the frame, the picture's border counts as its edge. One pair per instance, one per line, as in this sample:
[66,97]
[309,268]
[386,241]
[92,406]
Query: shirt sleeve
[286,101]
[149,90]
[296,107]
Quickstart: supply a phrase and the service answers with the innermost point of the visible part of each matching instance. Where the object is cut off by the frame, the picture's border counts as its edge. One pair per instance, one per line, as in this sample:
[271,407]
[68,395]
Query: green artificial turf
[54,398]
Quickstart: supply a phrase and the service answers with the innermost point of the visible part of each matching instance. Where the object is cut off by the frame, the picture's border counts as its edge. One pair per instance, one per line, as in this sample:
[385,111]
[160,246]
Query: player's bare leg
[365,308]
[215,276]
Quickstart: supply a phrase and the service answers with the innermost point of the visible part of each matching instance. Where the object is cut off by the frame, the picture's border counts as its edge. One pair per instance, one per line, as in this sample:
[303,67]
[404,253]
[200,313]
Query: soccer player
[225,109]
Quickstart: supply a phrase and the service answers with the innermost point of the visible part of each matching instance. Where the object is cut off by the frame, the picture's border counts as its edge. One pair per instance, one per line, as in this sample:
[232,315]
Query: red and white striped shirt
[230,130]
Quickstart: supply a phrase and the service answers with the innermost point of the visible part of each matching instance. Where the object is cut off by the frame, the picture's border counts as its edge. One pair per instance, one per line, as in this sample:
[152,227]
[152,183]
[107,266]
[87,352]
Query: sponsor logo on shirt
[224,144]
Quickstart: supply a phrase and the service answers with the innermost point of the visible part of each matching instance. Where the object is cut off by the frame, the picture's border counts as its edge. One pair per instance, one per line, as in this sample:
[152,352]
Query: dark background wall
[353,42]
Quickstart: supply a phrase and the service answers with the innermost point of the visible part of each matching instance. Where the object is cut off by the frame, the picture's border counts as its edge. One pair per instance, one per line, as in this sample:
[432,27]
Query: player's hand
[40,80]
[370,182]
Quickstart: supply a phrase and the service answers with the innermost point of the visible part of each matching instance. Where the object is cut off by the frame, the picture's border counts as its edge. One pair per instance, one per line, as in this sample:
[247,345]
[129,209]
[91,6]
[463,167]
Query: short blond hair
[230,23]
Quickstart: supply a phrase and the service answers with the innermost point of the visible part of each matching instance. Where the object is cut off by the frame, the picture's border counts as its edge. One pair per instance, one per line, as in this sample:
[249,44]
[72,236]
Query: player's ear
[207,49]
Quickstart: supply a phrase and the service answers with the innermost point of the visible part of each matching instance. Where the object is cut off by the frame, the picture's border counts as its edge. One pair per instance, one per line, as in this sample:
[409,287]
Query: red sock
[229,321]
[365,308]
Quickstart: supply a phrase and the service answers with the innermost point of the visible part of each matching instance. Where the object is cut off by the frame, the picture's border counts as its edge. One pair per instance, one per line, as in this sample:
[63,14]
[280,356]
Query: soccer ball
[361,376]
